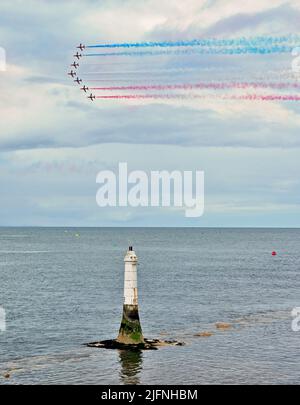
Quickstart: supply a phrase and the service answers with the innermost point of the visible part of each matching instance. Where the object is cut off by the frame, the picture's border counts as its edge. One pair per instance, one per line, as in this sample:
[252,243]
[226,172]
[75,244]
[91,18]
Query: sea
[61,288]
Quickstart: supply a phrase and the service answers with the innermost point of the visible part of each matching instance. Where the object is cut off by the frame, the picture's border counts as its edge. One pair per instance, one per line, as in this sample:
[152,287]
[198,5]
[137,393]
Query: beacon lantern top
[130,256]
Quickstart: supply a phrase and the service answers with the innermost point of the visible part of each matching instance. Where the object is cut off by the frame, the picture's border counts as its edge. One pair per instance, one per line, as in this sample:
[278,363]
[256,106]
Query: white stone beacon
[130,330]
[130,278]
[130,336]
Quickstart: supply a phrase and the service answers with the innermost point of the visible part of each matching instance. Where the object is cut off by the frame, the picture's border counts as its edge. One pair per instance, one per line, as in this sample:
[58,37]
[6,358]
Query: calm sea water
[62,288]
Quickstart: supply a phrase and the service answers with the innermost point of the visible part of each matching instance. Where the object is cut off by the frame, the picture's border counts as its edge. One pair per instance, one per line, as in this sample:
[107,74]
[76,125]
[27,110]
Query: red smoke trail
[140,97]
[272,97]
[214,86]
[248,97]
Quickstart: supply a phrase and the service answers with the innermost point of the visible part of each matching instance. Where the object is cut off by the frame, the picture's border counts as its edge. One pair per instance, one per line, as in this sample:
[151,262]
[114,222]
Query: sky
[53,141]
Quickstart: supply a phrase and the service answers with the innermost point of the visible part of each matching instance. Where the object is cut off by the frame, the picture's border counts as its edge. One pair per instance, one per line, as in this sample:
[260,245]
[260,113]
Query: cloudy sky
[53,141]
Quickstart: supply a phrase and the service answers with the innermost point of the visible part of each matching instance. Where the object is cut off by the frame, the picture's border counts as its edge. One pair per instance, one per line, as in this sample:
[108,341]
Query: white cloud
[53,140]
[42,113]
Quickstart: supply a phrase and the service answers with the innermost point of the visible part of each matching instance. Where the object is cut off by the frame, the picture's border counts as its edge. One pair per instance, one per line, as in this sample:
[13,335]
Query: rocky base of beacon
[130,330]
[148,344]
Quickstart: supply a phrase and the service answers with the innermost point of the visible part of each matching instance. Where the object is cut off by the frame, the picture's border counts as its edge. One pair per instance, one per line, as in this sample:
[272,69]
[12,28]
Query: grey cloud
[45,43]
[155,124]
[285,17]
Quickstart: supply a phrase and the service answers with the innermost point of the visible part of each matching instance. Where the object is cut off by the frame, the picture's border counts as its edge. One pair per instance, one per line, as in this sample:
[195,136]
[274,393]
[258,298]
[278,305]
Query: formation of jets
[75,65]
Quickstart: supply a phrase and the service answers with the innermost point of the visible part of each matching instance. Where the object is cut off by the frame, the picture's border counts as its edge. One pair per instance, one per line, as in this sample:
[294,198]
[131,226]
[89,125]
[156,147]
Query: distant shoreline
[143,227]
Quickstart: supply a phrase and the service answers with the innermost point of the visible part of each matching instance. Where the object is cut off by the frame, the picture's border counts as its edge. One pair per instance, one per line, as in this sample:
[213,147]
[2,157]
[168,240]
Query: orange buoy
[274,253]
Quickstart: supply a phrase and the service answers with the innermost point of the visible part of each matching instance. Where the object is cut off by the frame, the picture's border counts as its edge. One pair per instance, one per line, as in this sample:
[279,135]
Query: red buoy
[274,253]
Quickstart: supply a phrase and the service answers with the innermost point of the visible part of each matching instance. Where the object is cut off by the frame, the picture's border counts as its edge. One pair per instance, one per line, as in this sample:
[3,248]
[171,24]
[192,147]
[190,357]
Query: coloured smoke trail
[242,41]
[213,68]
[201,51]
[247,97]
[203,86]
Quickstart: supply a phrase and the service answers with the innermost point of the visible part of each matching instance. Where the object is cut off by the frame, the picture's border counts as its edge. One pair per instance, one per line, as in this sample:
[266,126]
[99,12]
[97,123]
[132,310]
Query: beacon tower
[130,330]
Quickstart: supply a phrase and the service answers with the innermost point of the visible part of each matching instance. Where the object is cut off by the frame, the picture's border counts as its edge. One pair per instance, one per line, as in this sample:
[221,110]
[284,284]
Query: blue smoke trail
[203,51]
[251,42]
